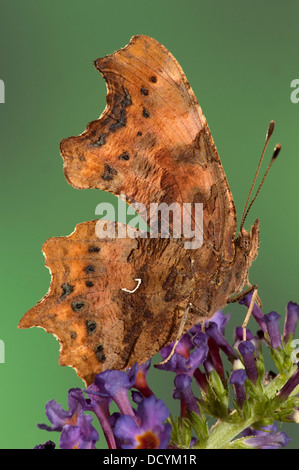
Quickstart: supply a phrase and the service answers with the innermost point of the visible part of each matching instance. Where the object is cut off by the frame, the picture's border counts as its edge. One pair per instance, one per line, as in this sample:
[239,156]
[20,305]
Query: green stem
[223,432]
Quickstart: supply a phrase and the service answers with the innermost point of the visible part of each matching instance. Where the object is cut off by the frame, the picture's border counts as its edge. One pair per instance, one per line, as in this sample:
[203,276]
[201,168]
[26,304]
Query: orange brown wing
[152,142]
[99,325]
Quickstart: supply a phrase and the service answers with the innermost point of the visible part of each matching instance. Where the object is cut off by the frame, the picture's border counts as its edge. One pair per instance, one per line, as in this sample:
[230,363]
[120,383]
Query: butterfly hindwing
[101,324]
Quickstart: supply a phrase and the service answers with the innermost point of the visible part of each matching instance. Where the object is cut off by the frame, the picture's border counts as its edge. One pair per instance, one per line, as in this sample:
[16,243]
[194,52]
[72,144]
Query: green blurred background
[240,58]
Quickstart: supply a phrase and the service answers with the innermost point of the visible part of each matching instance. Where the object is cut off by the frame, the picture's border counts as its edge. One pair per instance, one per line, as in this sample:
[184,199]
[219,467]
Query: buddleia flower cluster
[221,407]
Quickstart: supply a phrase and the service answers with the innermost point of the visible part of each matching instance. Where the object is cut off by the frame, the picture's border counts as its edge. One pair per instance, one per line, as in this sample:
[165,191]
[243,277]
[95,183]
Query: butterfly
[115,301]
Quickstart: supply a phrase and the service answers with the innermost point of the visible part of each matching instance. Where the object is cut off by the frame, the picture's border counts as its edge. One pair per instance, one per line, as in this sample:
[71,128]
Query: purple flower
[251,431]
[212,330]
[137,397]
[290,386]
[290,321]
[215,330]
[146,426]
[266,437]
[268,440]
[246,349]
[111,385]
[184,346]
[60,417]
[150,431]
[110,382]
[76,429]
[81,436]
[180,364]
[214,361]
[141,379]
[256,311]
[184,392]
[48,445]
[239,334]
[237,379]
[221,320]
[100,406]
[115,384]
[272,322]
[201,379]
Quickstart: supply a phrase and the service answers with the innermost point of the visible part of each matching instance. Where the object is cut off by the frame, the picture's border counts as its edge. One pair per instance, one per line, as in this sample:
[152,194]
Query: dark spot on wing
[144,91]
[109,173]
[94,249]
[67,290]
[170,295]
[124,156]
[101,141]
[91,327]
[77,306]
[89,269]
[127,99]
[122,121]
[99,351]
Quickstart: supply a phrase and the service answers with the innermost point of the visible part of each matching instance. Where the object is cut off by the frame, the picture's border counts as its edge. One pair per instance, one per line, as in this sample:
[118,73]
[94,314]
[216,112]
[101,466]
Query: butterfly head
[248,242]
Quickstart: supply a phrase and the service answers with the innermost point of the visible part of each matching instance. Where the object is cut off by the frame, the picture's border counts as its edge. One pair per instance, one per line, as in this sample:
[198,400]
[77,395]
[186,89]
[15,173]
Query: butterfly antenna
[275,153]
[274,156]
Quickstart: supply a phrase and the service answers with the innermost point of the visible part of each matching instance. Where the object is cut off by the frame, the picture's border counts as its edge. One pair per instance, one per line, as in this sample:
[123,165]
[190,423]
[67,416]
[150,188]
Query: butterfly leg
[242,295]
[248,314]
[179,335]
[254,298]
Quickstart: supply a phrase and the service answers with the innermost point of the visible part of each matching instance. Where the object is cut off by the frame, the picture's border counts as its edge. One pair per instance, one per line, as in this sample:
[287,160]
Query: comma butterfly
[152,143]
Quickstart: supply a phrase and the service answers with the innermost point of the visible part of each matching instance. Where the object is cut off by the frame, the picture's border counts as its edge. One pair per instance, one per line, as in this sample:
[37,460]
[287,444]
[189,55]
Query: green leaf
[200,426]
[185,433]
